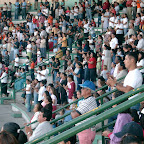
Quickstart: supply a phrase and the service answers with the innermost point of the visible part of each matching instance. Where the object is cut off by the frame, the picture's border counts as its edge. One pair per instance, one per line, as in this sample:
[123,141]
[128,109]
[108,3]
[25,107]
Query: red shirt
[129,3]
[93,24]
[106,5]
[91,66]
[113,11]
[11,23]
[71,90]
[83,7]
[32,65]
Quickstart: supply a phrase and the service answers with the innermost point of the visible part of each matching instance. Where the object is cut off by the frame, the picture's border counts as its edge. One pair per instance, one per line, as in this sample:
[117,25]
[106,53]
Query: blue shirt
[24,5]
[67,118]
[16,5]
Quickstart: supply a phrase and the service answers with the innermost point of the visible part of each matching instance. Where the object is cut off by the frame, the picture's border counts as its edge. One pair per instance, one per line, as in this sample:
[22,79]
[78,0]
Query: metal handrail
[91,113]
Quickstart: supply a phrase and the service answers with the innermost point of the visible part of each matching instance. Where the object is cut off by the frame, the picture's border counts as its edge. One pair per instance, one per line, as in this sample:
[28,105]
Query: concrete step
[16,107]
[16,115]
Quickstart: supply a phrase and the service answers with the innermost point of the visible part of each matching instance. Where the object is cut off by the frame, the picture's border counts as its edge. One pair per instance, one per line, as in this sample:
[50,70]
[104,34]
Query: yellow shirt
[64,42]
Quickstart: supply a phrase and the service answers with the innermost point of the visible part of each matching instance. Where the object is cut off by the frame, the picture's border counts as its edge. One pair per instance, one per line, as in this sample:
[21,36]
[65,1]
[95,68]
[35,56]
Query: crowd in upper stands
[107,41]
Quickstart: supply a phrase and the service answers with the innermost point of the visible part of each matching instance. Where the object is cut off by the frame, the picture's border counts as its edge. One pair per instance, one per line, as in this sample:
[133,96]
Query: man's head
[87,88]
[45,115]
[139,36]
[131,60]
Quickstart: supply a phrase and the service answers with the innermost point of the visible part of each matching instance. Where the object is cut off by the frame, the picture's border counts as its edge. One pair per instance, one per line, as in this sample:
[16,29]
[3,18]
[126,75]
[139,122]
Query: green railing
[101,117]
[87,115]
[98,98]
[105,86]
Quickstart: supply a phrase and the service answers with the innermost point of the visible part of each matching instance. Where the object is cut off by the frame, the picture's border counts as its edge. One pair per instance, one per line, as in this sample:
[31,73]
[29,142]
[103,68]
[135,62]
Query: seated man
[43,127]
[89,103]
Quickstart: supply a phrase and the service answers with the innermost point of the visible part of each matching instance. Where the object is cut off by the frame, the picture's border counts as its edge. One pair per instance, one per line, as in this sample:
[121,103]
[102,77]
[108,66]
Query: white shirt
[141,63]
[113,42]
[117,9]
[116,70]
[75,11]
[34,118]
[41,129]
[38,75]
[27,62]
[29,46]
[119,26]
[54,98]
[41,92]
[45,12]
[4,78]
[48,29]
[140,44]
[38,54]
[46,23]
[133,79]
[16,61]
[112,19]
[28,86]
[86,27]
[45,73]
[60,12]
[124,21]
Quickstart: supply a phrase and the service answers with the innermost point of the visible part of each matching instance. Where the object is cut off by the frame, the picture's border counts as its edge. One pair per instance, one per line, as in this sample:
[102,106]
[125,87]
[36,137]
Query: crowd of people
[100,59]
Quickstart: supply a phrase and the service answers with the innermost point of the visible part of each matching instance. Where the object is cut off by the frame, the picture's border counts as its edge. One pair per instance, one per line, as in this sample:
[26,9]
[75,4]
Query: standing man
[132,80]
[88,10]
[4,83]
[36,5]
[32,65]
[24,9]
[71,37]
[89,103]
[16,9]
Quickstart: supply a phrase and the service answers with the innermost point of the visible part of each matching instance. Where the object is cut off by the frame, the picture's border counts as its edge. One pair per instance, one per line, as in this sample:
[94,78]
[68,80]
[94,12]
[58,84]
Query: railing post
[14,95]
[102,125]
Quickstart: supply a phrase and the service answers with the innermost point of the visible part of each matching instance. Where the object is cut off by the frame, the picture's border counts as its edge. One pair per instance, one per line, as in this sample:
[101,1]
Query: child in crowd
[104,73]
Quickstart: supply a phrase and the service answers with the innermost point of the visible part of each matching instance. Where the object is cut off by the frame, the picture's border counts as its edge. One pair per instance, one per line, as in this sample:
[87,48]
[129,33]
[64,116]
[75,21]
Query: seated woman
[37,109]
[122,119]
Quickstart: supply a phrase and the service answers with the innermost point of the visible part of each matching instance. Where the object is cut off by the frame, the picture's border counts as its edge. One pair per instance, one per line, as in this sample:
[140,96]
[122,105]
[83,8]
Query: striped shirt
[85,106]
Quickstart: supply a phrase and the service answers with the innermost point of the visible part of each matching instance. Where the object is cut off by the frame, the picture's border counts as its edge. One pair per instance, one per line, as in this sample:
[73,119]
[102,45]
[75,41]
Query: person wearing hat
[89,103]
[130,129]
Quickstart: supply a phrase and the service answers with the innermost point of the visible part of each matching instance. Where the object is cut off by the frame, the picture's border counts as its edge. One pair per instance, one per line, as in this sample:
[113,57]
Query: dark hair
[71,76]
[130,139]
[44,66]
[7,138]
[75,95]
[14,129]
[48,96]
[64,74]
[47,113]
[79,91]
[54,91]
[142,55]
[118,93]
[40,67]
[39,107]
[51,85]
[53,58]
[122,64]
[43,82]
[135,115]
[134,55]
